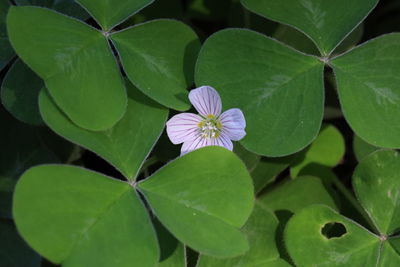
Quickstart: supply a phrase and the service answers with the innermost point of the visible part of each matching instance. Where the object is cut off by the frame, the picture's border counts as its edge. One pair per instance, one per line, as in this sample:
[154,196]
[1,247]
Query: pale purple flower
[209,127]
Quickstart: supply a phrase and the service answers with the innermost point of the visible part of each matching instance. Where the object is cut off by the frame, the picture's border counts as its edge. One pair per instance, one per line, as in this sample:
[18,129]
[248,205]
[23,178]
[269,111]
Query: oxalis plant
[196,133]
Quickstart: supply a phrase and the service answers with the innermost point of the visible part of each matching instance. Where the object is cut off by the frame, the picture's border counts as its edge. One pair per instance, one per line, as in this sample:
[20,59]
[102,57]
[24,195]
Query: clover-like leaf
[369,89]
[19,93]
[109,14]
[279,90]
[74,60]
[326,150]
[260,230]
[127,144]
[6,51]
[69,215]
[326,23]
[166,51]
[202,198]
[377,185]
[319,236]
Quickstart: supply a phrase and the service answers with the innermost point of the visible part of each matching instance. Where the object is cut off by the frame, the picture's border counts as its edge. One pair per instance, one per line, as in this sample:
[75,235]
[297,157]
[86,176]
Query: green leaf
[14,252]
[295,39]
[325,23]
[208,190]
[308,246]
[127,144]
[279,90]
[166,51]
[68,7]
[260,230]
[361,148]
[109,13]
[294,195]
[352,245]
[369,91]
[74,60]
[81,218]
[19,93]
[172,252]
[251,160]
[327,150]
[377,185]
[208,10]
[6,51]
[267,170]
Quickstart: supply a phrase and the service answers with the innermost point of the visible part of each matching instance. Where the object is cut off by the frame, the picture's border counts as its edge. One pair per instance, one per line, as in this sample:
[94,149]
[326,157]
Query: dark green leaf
[74,60]
[6,51]
[327,24]
[208,190]
[81,218]
[19,93]
[166,51]
[127,144]
[279,89]
[369,90]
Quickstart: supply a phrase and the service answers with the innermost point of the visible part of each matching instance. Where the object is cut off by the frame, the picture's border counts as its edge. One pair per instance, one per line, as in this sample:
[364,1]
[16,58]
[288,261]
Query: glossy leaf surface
[127,144]
[326,23]
[109,14]
[67,214]
[166,62]
[279,90]
[74,60]
[377,185]
[19,93]
[327,150]
[369,90]
[208,190]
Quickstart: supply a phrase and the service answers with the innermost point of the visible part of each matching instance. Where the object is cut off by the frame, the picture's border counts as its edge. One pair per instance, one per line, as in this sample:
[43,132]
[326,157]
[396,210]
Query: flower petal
[191,145]
[224,141]
[233,124]
[206,100]
[183,127]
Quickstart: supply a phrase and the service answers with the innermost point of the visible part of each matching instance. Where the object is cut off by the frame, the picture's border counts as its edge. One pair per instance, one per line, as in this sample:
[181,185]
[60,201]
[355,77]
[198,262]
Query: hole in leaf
[333,230]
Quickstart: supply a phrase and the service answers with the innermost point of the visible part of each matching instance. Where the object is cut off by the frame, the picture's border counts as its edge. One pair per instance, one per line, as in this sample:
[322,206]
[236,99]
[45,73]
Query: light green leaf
[377,185]
[74,60]
[81,218]
[279,90]
[19,93]
[109,13]
[369,90]
[6,51]
[14,252]
[310,243]
[127,144]
[361,148]
[327,150]
[166,51]
[208,190]
[327,24]
[260,230]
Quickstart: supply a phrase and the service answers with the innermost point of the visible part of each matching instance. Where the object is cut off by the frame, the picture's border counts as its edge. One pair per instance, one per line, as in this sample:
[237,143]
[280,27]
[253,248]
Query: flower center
[210,127]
